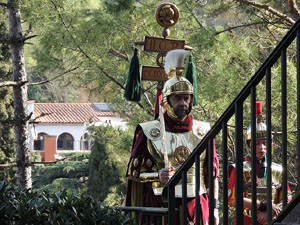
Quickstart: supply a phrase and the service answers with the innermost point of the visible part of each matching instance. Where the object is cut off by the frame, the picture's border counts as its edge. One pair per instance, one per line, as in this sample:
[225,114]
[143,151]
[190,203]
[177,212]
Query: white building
[66,124]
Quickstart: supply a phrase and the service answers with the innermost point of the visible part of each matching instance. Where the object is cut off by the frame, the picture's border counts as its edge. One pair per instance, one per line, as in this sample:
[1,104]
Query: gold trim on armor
[149,177]
[181,153]
[135,173]
[135,162]
[149,163]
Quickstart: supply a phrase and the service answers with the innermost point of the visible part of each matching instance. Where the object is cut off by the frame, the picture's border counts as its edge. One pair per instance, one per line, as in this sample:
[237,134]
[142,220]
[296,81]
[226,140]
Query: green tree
[108,163]
[7,145]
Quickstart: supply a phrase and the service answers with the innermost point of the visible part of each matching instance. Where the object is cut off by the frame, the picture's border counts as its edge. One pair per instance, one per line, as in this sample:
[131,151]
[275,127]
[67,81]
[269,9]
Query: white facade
[76,130]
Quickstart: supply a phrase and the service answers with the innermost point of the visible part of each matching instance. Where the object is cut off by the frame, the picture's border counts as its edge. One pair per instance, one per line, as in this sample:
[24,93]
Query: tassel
[158,100]
[191,75]
[133,83]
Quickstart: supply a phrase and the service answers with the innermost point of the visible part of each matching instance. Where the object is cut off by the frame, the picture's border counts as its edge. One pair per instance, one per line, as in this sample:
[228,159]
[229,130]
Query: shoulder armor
[200,128]
[151,129]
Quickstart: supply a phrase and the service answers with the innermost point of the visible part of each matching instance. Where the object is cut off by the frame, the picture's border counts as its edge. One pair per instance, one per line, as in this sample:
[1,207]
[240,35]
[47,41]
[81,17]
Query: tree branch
[47,81]
[29,37]
[4,4]
[191,11]
[238,26]
[293,9]
[5,41]
[12,83]
[114,52]
[268,9]
[32,163]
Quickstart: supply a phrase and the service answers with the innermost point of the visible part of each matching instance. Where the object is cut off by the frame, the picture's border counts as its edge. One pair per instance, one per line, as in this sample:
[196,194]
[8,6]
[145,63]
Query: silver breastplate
[179,146]
[261,187]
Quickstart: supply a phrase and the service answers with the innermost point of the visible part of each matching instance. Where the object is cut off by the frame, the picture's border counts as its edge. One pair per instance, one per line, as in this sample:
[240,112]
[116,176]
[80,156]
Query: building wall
[76,130]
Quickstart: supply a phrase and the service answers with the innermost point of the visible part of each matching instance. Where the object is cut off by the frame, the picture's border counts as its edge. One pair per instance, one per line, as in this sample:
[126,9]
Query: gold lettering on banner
[154,44]
[153,73]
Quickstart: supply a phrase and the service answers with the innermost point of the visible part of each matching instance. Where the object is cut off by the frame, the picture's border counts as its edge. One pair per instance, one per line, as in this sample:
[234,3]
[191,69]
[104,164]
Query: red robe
[141,194]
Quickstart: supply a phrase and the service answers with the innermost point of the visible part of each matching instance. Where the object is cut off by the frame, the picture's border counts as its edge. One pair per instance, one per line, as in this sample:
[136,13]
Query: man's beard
[181,112]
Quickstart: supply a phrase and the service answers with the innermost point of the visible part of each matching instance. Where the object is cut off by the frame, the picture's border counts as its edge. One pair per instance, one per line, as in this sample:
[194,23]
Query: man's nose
[182,102]
[261,146]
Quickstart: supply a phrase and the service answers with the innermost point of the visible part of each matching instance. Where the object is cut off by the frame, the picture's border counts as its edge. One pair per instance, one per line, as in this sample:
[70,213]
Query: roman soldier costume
[261,171]
[178,138]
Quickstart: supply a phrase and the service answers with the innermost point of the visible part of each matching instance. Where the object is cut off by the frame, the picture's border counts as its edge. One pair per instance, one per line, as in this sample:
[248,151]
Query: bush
[70,174]
[29,207]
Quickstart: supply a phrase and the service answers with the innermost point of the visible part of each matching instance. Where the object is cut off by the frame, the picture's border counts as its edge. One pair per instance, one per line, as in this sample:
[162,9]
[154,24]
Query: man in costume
[261,179]
[147,172]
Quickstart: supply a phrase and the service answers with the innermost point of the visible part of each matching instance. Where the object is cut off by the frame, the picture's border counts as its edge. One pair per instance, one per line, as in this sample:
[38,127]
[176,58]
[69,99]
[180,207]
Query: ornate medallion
[181,153]
[167,14]
[154,132]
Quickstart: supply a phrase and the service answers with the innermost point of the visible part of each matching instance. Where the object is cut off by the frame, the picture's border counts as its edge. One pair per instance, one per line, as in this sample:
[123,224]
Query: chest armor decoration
[179,146]
[261,187]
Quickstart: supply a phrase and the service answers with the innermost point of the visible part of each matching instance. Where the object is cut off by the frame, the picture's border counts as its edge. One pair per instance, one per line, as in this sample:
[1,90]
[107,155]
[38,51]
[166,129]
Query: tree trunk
[20,96]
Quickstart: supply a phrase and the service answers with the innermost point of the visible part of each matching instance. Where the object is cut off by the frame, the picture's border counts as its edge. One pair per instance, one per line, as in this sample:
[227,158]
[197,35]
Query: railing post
[298,107]
[171,204]
[284,125]
[225,171]
[239,205]
[211,180]
[197,189]
[269,144]
[184,197]
[253,155]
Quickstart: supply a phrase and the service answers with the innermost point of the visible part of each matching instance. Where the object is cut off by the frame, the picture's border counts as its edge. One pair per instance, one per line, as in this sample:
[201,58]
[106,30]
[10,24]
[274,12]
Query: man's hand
[165,174]
[216,216]
[262,216]
[275,210]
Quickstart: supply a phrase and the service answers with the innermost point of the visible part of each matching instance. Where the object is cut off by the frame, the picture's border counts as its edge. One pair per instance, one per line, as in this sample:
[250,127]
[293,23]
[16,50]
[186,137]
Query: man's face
[180,104]
[261,148]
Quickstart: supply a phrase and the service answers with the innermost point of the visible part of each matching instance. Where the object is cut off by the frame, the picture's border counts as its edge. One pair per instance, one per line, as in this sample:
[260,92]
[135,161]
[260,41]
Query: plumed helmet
[176,84]
[261,127]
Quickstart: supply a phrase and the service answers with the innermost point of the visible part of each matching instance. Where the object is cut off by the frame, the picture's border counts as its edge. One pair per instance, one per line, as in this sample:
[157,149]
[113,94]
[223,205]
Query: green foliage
[29,207]
[117,6]
[70,174]
[108,163]
[7,141]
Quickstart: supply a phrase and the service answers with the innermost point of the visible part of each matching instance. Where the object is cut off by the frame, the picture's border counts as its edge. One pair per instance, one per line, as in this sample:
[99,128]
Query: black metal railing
[236,108]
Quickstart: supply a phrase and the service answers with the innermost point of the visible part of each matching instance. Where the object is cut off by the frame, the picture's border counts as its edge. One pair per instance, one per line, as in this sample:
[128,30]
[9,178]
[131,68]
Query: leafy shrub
[29,207]
[70,174]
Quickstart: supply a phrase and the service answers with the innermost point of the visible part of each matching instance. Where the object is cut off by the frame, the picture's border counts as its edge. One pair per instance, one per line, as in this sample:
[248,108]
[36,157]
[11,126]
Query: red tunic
[143,193]
[261,171]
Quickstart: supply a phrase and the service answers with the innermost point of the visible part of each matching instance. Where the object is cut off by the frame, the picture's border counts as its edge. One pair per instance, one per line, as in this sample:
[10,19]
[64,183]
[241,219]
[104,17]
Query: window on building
[65,141]
[39,143]
[85,142]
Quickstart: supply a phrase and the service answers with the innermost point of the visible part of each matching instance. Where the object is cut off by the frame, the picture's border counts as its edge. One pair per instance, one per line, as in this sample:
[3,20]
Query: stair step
[292,218]
[283,223]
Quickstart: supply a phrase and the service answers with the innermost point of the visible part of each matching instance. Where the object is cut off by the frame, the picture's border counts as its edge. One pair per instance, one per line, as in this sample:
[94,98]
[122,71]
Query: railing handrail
[244,93]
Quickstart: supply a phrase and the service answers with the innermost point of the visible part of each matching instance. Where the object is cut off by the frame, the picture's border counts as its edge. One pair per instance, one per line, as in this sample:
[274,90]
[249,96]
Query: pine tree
[7,145]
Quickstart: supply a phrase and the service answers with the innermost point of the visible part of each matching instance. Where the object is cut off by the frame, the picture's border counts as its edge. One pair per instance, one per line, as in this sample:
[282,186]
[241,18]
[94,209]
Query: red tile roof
[68,112]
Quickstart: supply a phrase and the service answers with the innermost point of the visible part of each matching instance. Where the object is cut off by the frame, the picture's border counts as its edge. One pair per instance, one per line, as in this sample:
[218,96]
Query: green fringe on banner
[133,83]
[191,75]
